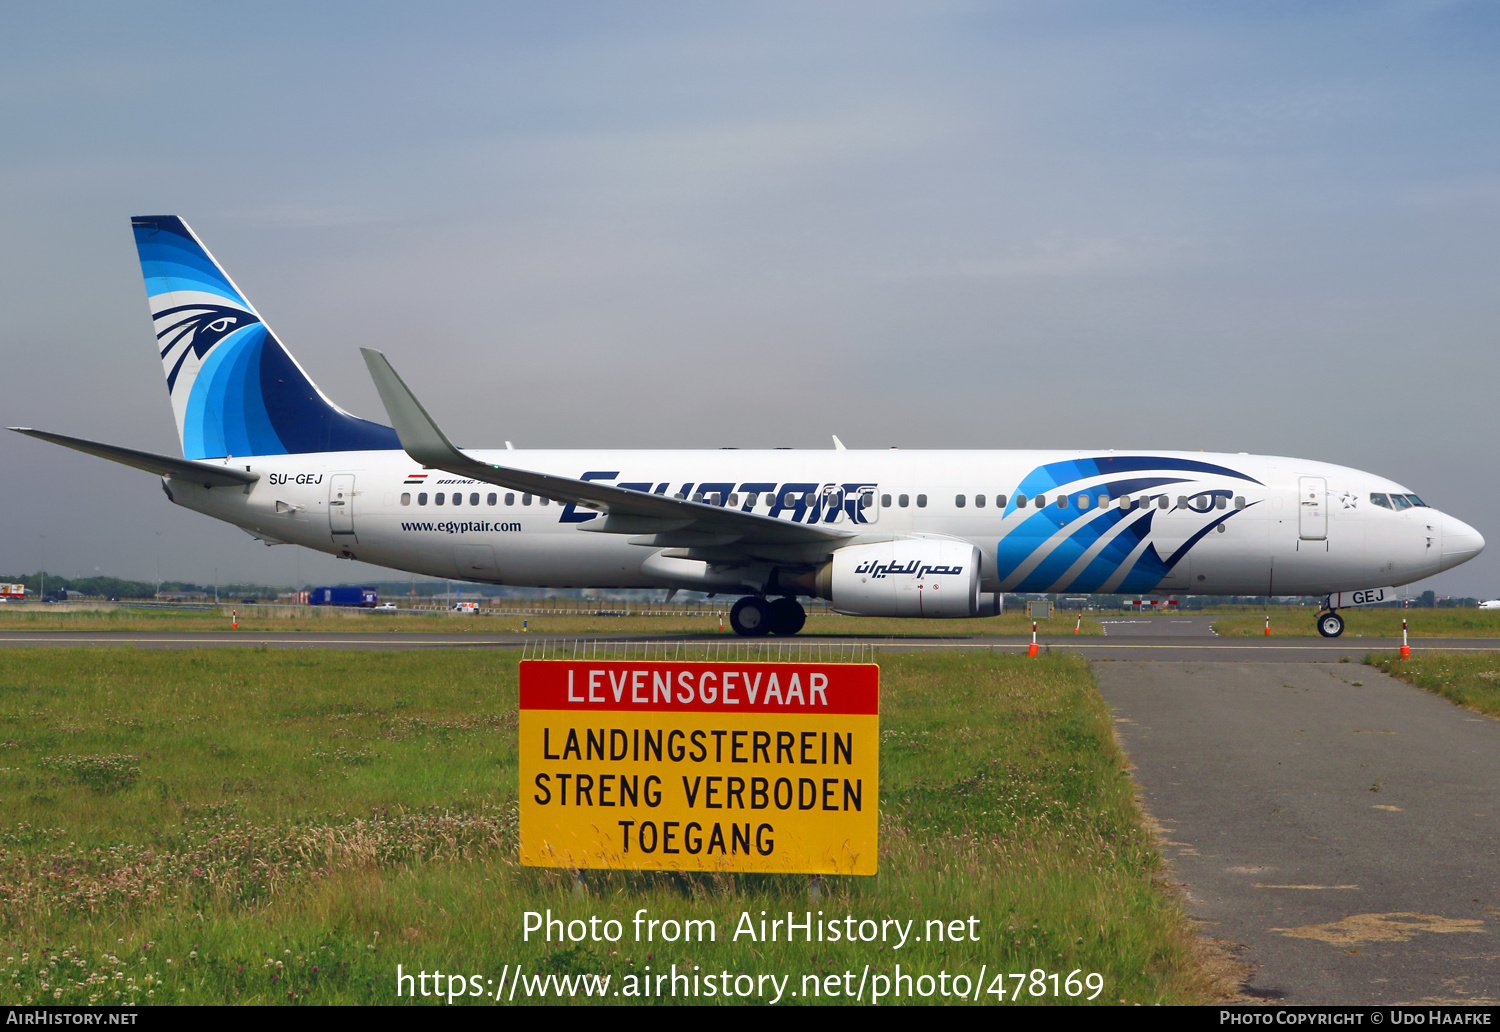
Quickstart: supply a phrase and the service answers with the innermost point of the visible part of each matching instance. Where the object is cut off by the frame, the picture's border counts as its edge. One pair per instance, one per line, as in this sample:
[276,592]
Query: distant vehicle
[1492,604]
[362,598]
[386,607]
[249,601]
[466,607]
[13,591]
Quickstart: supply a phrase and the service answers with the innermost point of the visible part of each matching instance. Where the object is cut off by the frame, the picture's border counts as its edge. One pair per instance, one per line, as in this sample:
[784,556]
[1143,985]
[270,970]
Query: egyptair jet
[877,533]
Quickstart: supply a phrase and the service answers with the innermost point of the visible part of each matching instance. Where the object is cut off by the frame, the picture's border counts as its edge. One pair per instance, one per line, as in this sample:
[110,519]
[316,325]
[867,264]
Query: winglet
[420,435]
[838,445]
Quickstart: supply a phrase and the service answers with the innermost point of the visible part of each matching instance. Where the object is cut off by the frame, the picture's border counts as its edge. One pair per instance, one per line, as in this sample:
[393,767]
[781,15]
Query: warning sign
[700,766]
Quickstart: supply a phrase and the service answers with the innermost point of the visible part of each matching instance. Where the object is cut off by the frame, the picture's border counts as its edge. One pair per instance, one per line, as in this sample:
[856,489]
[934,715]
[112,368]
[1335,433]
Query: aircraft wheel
[1330,625]
[751,617]
[787,617]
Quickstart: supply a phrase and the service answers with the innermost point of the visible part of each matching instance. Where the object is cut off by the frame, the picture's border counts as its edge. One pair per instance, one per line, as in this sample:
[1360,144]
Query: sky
[1262,226]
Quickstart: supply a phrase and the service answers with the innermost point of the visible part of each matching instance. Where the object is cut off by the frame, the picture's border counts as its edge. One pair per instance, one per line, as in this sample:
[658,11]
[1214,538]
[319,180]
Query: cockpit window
[1400,502]
[1417,501]
[1381,500]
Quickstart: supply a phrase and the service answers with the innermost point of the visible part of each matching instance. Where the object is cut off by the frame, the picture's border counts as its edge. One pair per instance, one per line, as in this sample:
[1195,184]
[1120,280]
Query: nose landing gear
[755,617]
[1330,624]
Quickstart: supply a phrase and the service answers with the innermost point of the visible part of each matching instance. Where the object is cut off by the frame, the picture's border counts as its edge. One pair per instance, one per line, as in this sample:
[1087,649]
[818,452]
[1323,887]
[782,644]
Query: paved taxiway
[1167,637]
[1340,827]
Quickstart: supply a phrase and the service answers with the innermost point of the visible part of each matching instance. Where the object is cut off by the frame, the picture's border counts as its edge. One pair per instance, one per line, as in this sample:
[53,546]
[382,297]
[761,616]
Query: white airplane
[878,533]
[1492,604]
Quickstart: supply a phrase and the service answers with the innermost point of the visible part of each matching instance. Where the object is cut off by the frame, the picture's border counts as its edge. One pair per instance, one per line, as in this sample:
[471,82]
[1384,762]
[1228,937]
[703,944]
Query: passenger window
[979,501]
[808,498]
[1239,501]
[474,499]
[1380,500]
[492,498]
[734,501]
[921,501]
[1220,502]
[885,500]
[510,498]
[1040,501]
[999,501]
[1020,501]
[458,498]
[1083,501]
[866,499]
[526,499]
[1400,501]
[958,501]
[1104,501]
[406,498]
[422,498]
[1163,501]
[543,501]
[904,501]
[437,499]
[1062,501]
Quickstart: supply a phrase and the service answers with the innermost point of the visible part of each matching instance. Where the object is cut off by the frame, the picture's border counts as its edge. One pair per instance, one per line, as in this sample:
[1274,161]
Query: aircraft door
[341,507]
[1312,508]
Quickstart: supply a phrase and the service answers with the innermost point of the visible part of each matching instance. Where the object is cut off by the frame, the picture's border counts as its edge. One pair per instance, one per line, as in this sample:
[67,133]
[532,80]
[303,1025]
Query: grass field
[257,826]
[316,620]
[1471,679]
[1298,622]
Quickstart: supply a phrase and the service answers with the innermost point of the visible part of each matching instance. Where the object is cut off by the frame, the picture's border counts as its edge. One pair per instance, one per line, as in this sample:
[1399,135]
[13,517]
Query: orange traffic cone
[1268,625]
[1078,627]
[234,619]
[1032,651]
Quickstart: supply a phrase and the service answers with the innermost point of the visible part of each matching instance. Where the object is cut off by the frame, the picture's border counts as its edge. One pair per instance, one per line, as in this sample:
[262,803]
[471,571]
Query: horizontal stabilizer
[179,469]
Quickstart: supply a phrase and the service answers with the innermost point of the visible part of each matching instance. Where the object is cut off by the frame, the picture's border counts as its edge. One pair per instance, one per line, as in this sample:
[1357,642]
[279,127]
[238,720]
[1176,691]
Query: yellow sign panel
[700,766]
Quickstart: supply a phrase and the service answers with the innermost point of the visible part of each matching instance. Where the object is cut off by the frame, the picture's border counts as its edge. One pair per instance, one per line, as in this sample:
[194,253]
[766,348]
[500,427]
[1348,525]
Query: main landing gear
[755,617]
[1330,624]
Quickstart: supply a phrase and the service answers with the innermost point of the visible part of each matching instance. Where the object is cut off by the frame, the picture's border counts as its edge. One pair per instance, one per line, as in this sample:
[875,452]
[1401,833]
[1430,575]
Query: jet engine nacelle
[933,577]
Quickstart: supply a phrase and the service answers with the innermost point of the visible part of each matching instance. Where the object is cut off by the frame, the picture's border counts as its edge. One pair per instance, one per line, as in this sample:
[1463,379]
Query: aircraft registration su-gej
[877,533]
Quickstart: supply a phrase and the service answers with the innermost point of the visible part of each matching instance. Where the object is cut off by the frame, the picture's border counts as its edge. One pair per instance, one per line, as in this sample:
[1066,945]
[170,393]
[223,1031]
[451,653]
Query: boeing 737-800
[878,533]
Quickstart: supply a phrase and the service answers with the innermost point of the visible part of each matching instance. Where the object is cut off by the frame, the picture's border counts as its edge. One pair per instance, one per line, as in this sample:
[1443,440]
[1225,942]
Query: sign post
[770,767]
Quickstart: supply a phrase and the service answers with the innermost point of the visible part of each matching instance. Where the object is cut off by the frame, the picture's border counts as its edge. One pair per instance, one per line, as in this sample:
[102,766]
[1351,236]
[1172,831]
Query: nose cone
[1461,542]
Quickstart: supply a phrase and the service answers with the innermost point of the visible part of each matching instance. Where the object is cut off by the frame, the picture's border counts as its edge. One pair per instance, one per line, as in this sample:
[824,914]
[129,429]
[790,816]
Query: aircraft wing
[673,521]
[187,470]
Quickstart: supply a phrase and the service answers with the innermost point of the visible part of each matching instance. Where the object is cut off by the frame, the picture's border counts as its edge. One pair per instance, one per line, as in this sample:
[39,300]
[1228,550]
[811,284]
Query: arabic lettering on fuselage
[878,569]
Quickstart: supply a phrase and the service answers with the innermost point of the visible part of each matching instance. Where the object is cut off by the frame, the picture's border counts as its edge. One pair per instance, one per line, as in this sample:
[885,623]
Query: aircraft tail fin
[235,389]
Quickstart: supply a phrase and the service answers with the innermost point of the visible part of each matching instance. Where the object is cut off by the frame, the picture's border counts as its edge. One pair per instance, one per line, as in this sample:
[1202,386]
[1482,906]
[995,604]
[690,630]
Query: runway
[1164,638]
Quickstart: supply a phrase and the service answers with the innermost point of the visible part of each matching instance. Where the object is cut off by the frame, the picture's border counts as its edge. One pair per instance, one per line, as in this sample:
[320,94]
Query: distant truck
[363,598]
[13,592]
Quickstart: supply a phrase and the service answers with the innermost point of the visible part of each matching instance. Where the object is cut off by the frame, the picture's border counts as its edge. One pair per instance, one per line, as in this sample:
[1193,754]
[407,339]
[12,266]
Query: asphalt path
[1337,828]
